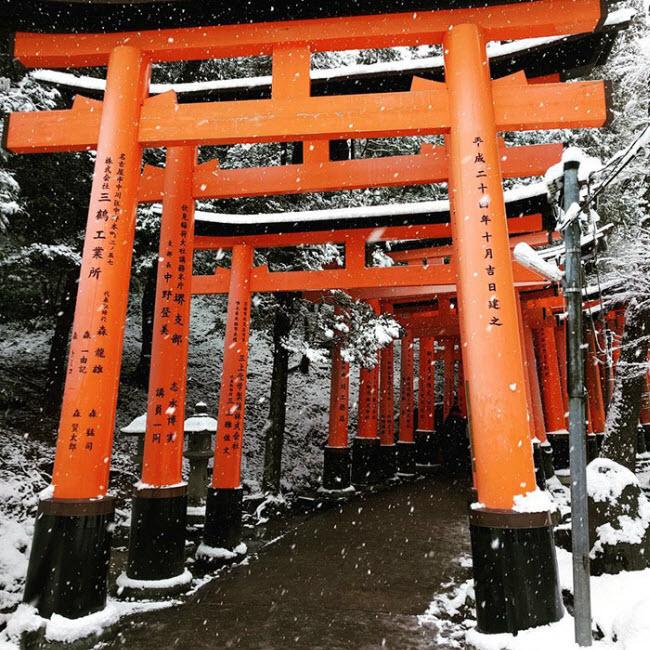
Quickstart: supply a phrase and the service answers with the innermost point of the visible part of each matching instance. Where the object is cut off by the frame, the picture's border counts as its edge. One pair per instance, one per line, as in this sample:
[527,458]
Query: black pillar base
[540,474]
[365,461]
[336,468]
[547,459]
[387,461]
[157,539]
[641,447]
[223,518]
[425,447]
[68,564]
[515,570]
[592,447]
[405,453]
[560,443]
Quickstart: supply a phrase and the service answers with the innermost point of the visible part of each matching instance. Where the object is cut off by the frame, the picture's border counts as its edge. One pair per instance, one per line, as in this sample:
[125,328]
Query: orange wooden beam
[353,276]
[278,240]
[518,106]
[542,18]
[323,175]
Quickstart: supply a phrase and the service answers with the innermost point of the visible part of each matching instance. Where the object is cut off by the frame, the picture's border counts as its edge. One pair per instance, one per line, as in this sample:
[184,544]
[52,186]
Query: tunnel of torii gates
[496,316]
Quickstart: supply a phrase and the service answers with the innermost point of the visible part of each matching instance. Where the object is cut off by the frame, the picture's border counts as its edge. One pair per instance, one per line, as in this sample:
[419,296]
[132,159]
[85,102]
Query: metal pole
[576,390]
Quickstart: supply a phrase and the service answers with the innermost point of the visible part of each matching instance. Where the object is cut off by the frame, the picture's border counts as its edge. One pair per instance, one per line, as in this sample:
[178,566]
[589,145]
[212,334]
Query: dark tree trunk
[274,438]
[141,374]
[55,372]
[623,416]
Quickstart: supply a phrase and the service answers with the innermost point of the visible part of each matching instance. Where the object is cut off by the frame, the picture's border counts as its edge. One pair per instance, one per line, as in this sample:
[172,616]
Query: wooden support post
[534,440]
[70,552]
[387,413]
[561,347]
[224,503]
[159,506]
[405,440]
[425,438]
[539,425]
[365,447]
[336,463]
[492,356]
[594,386]
[551,389]
[449,376]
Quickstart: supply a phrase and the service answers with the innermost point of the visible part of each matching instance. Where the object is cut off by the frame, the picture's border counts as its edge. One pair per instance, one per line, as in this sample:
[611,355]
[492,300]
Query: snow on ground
[27,437]
[619,606]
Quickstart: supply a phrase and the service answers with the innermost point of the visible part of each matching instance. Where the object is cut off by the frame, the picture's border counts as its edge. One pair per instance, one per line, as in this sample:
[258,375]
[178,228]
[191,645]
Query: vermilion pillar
[223,510]
[365,447]
[336,466]
[387,412]
[560,344]
[551,388]
[449,360]
[406,441]
[594,386]
[512,593]
[157,538]
[539,426]
[425,444]
[70,552]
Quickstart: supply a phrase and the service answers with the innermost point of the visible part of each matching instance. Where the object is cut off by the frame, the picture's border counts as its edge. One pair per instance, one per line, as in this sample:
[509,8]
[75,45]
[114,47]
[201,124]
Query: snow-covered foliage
[25,95]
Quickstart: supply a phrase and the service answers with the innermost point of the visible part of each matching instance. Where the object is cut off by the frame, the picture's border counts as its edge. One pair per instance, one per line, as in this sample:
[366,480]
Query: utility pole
[576,390]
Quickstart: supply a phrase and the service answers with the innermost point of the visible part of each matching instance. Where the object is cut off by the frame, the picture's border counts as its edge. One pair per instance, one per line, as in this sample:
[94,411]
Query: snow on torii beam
[320,174]
[505,22]
[355,274]
[518,106]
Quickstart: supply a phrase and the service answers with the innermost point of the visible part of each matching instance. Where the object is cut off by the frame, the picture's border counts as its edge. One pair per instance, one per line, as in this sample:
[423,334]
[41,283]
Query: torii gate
[469,108]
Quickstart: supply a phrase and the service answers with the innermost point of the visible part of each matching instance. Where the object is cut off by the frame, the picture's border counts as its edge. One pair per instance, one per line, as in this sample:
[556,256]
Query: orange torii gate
[468,108]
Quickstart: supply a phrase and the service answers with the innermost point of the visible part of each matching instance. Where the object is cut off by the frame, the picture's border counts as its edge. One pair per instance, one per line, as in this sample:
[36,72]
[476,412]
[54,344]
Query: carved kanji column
[425,432]
[365,447]
[512,592]
[387,458]
[405,438]
[70,552]
[336,464]
[223,510]
[159,507]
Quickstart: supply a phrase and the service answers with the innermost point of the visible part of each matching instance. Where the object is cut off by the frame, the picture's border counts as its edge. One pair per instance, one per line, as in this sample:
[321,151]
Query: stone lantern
[199,429]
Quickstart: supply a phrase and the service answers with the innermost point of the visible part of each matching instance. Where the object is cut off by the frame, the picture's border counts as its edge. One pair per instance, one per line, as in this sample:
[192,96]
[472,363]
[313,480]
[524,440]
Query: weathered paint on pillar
[494,368]
[232,396]
[163,448]
[426,380]
[449,387]
[82,464]
[549,372]
[339,400]
[367,421]
[594,385]
[386,396]
[406,431]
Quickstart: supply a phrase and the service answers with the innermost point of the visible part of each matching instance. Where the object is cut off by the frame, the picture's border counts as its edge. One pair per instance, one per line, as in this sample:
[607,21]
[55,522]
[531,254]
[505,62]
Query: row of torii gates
[500,320]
